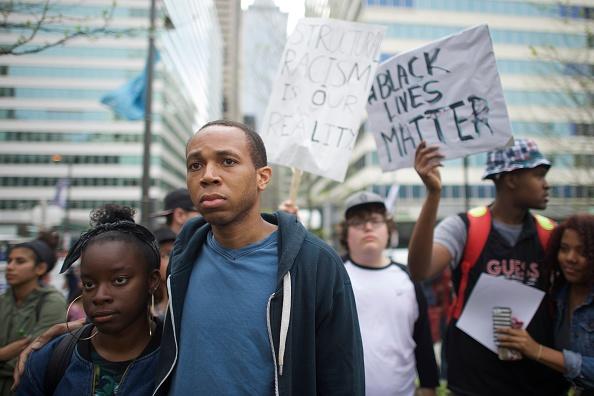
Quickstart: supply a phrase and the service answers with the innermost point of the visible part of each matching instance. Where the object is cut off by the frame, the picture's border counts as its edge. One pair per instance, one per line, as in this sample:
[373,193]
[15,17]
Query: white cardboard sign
[319,96]
[447,93]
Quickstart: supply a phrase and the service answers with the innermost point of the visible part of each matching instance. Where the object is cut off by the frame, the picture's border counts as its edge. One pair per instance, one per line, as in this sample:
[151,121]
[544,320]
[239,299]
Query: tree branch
[45,21]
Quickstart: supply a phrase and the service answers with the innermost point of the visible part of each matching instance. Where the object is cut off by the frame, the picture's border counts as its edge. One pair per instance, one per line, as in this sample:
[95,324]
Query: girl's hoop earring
[93,334]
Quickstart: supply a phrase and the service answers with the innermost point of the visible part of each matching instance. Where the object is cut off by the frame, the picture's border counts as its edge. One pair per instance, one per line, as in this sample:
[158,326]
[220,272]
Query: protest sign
[319,96]
[447,93]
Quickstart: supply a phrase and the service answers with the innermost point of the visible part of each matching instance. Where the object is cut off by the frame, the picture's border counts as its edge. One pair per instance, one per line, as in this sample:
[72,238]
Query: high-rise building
[53,127]
[338,9]
[229,13]
[264,34]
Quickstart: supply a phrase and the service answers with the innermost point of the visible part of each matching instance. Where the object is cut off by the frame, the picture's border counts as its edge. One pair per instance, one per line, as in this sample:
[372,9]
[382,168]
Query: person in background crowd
[165,238]
[439,290]
[178,209]
[512,246]
[570,258]
[392,309]
[27,308]
[52,239]
[118,352]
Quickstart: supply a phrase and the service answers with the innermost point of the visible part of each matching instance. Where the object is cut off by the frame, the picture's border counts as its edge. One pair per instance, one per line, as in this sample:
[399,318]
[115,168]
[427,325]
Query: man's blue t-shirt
[224,347]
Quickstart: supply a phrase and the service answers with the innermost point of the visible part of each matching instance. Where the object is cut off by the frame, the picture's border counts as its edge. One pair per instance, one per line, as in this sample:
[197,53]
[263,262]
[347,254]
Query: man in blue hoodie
[257,304]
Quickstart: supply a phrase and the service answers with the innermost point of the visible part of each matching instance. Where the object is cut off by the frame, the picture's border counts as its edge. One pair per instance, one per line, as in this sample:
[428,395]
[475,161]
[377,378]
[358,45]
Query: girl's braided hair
[115,223]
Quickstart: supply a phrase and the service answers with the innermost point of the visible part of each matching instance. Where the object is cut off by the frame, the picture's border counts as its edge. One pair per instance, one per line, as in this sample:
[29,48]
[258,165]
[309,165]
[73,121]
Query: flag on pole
[128,100]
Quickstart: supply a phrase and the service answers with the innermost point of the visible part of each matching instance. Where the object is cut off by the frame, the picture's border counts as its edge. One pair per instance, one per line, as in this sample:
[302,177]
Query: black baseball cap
[164,234]
[179,198]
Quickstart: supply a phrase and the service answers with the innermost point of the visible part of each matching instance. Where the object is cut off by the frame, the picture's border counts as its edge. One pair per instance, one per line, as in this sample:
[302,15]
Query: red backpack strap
[544,228]
[479,227]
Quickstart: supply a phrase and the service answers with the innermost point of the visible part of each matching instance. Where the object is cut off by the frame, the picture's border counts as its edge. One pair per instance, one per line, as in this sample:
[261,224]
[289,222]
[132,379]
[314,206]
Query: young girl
[118,354]
[27,308]
[571,260]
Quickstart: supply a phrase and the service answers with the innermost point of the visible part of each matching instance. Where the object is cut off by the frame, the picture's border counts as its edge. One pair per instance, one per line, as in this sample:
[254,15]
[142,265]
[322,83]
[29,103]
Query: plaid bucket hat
[524,154]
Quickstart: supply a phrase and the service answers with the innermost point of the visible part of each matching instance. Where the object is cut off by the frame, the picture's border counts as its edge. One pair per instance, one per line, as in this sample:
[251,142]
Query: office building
[54,130]
[229,13]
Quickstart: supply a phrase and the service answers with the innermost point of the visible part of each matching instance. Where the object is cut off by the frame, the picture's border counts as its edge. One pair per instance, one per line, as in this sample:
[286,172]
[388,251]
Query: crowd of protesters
[238,302]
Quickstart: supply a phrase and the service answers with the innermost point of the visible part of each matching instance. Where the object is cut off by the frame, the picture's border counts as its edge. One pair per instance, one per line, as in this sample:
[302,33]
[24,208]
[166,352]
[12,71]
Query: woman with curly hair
[570,257]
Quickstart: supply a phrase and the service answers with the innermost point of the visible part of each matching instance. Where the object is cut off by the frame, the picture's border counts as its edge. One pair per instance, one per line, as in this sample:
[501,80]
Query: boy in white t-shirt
[391,308]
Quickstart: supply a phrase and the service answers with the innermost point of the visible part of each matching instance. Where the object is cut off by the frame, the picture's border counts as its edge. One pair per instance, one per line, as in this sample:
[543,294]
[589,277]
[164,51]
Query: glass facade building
[53,126]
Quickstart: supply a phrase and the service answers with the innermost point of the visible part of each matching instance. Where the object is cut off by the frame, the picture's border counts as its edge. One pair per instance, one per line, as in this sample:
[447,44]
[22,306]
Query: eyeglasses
[360,223]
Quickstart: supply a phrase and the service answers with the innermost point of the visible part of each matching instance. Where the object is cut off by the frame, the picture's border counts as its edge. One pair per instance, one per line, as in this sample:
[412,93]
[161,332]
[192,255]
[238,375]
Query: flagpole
[146,158]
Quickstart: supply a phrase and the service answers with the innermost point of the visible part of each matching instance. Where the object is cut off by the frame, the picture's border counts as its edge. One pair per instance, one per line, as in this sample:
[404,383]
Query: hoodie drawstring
[285,318]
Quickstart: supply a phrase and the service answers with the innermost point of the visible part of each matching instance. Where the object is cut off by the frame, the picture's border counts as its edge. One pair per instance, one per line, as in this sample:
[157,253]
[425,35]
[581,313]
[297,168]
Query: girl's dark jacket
[312,319]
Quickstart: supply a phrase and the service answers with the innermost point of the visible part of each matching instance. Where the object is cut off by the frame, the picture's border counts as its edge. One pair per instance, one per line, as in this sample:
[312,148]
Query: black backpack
[60,359]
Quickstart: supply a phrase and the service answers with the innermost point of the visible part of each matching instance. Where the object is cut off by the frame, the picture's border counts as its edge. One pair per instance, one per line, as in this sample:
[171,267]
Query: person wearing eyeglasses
[392,310]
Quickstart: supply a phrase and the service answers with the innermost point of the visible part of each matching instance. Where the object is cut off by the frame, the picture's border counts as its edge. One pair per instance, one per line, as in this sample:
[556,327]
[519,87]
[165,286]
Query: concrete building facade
[229,13]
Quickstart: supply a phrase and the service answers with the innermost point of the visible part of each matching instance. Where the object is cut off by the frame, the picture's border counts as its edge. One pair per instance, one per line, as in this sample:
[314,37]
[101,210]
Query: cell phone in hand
[502,317]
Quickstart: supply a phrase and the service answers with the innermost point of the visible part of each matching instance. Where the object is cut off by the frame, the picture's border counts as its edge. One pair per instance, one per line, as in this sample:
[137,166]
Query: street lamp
[57,159]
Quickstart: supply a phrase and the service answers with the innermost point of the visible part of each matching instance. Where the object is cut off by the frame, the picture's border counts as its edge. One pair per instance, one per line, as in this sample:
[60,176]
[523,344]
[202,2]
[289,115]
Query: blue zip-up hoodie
[312,320]
[78,375]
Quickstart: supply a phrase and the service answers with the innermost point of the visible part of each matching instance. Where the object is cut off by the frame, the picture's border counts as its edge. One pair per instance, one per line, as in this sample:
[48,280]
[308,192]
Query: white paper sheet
[496,291]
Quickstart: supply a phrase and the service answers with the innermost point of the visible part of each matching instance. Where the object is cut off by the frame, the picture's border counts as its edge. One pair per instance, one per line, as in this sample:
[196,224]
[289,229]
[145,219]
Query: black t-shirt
[108,375]
[472,369]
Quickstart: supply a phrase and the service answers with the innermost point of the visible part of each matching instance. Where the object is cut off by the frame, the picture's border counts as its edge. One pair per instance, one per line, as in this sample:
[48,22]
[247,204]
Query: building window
[583,130]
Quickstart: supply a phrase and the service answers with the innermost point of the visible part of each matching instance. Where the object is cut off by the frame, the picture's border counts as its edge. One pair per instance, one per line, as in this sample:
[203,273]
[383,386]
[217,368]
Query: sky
[295,8]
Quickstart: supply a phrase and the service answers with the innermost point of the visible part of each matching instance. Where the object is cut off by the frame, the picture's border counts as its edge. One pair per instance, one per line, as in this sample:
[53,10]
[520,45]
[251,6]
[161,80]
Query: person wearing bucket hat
[27,308]
[178,209]
[392,309]
[501,239]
